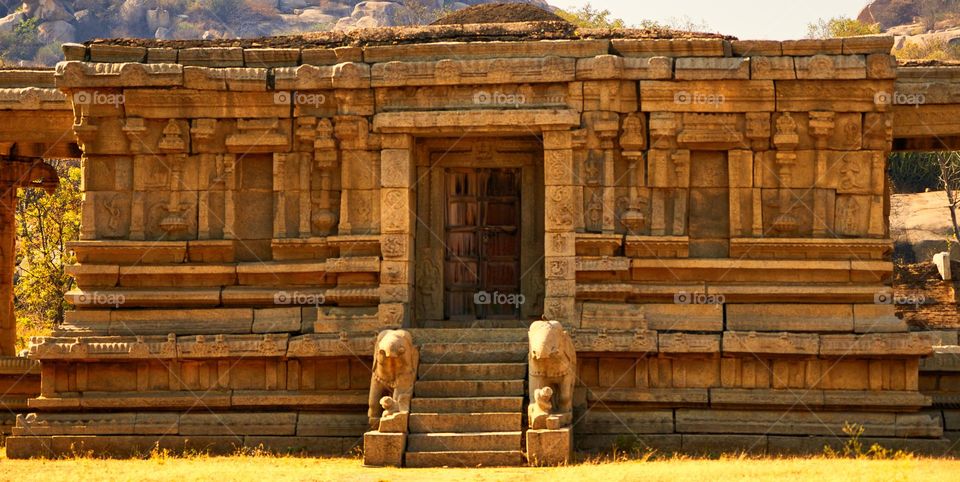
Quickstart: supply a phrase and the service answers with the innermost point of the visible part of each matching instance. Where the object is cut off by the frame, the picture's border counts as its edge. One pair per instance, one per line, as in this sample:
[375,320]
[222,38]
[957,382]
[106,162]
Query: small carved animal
[390,406]
[539,410]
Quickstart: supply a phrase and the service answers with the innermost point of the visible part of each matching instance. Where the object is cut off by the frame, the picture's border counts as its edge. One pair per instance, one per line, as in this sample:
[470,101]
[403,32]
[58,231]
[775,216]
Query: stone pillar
[560,213]
[8,236]
[398,222]
[12,176]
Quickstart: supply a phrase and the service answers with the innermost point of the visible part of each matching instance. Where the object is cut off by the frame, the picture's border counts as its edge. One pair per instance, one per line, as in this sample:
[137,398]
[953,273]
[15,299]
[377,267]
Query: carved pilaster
[821,128]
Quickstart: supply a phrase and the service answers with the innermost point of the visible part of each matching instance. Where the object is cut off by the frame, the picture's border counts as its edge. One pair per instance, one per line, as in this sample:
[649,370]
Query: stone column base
[384,449]
[550,447]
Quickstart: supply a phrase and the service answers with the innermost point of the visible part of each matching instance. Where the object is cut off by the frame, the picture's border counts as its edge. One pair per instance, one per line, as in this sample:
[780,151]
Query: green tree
[23,42]
[45,224]
[949,164]
[589,17]
[840,27]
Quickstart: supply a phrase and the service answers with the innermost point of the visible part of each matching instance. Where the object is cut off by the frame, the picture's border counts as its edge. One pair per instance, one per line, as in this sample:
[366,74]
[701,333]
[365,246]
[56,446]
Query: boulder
[158,17]
[369,22]
[345,23]
[316,16]
[57,31]
[47,10]
[263,5]
[288,5]
[133,12]
[10,22]
[380,14]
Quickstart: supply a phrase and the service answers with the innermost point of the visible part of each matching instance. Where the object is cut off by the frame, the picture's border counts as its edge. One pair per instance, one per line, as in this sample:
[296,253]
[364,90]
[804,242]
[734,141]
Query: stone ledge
[804,248]
[480,50]
[484,71]
[532,119]
[348,75]
[885,399]
[209,346]
[73,75]
[211,399]
[18,366]
[805,422]
[944,359]
[144,298]
[33,98]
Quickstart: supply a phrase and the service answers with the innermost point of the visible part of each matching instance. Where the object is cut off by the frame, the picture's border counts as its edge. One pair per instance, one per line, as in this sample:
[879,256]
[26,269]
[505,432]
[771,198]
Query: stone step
[465,422]
[506,458]
[468,388]
[473,371]
[462,442]
[504,352]
[437,335]
[466,405]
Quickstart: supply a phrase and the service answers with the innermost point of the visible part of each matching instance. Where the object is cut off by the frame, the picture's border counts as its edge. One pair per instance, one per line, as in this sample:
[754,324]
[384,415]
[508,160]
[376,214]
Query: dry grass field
[268,468]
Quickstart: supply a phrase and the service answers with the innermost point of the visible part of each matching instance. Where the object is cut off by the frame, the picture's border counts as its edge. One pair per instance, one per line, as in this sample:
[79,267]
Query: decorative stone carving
[786,136]
[395,362]
[714,131]
[553,369]
[634,132]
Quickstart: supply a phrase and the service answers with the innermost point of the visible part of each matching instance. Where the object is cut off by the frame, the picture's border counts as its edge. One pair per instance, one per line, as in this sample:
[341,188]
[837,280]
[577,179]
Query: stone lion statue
[553,364]
[395,361]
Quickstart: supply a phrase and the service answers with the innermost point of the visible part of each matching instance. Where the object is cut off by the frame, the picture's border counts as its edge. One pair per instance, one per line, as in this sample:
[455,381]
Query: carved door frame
[433,157]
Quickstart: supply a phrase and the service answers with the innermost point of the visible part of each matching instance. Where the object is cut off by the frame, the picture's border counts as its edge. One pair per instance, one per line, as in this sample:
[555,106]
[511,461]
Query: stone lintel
[480,120]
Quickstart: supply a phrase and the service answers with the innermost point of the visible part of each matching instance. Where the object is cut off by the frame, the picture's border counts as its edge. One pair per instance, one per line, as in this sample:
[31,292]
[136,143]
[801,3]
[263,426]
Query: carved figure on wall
[553,362]
[428,285]
[395,361]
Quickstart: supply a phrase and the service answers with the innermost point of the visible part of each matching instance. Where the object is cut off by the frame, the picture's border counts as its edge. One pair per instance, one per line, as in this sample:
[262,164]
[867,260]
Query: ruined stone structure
[705,217]
[36,124]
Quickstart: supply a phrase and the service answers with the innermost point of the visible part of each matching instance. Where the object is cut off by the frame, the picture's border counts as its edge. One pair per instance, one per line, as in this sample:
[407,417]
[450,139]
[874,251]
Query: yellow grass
[268,469]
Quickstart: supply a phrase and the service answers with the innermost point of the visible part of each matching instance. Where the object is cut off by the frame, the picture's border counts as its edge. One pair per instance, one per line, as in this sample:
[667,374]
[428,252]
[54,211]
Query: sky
[745,19]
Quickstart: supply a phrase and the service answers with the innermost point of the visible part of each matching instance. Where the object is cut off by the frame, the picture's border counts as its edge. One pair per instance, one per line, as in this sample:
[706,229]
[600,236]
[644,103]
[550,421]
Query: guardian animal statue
[395,361]
[553,366]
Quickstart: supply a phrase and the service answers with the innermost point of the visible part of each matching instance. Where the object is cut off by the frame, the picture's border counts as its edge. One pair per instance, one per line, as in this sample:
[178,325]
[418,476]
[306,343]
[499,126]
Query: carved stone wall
[707,217]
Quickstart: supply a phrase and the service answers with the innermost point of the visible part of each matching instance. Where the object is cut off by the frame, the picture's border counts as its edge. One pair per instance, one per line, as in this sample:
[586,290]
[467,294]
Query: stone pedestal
[384,449]
[550,447]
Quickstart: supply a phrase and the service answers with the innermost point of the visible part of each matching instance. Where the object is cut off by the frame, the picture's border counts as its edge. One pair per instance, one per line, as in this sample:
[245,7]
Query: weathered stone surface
[672,48]
[707,96]
[776,68]
[460,50]
[383,449]
[712,68]
[614,67]
[771,343]
[549,447]
[831,67]
[800,422]
[814,318]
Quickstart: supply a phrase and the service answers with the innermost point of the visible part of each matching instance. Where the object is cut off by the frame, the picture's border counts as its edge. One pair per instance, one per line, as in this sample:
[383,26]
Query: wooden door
[482,237]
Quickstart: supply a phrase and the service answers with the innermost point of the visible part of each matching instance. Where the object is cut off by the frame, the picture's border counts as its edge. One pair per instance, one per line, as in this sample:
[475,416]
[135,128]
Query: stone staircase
[468,403]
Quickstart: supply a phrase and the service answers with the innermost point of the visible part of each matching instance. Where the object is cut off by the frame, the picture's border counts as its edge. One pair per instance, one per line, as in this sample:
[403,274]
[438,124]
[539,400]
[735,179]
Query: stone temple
[312,244]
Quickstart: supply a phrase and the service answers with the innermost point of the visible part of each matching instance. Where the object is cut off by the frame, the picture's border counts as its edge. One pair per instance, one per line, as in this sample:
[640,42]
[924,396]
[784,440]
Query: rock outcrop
[62,21]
